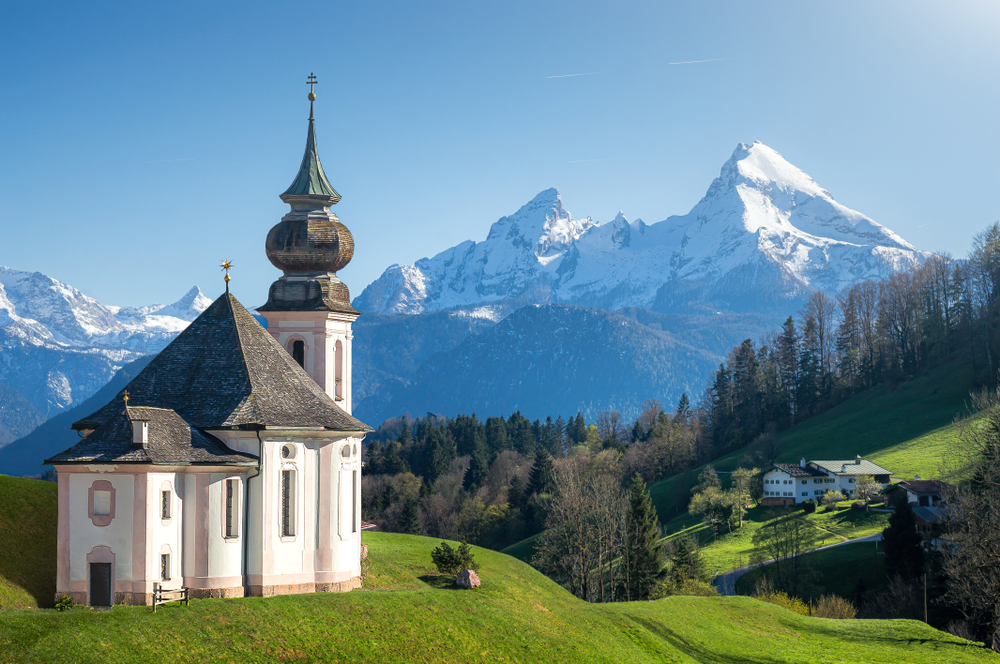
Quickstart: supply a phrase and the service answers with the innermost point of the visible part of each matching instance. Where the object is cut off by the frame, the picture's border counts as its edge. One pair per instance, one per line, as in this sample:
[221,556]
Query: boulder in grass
[468,579]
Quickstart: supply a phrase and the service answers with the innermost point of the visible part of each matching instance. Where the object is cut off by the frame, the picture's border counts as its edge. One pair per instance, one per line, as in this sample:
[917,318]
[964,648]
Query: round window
[287,451]
[346,451]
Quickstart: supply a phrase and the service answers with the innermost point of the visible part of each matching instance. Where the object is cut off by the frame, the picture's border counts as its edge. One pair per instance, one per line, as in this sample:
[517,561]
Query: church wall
[86,538]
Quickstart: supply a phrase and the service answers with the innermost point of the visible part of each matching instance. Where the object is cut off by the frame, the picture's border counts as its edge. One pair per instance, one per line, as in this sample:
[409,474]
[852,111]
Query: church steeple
[311,180]
[308,308]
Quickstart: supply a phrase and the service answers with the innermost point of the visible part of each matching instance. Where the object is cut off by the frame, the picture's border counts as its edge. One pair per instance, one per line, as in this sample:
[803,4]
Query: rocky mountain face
[17,415]
[59,346]
[556,359]
[762,238]
[25,455]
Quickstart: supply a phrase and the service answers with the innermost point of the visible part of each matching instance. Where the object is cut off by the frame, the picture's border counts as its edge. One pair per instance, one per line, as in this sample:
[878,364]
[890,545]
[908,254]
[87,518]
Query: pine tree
[496,436]
[478,469]
[543,474]
[685,562]
[560,435]
[904,555]
[409,520]
[515,494]
[683,411]
[642,562]
[579,429]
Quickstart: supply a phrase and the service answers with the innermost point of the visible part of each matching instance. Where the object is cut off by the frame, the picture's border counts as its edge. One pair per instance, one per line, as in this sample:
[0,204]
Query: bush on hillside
[783,600]
[452,562]
[830,500]
[809,506]
[831,606]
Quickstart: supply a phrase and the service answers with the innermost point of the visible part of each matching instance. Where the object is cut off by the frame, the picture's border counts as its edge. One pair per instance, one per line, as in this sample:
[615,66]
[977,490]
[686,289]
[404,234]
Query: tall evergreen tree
[543,474]
[478,469]
[515,494]
[496,436]
[904,555]
[642,561]
[560,434]
[579,429]
[409,520]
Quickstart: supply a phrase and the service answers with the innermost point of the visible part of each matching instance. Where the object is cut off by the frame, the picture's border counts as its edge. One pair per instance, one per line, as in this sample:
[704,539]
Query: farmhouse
[790,484]
[231,464]
[923,493]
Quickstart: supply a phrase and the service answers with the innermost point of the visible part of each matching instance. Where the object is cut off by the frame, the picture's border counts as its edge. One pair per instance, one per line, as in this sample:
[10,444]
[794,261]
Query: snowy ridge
[764,236]
[60,345]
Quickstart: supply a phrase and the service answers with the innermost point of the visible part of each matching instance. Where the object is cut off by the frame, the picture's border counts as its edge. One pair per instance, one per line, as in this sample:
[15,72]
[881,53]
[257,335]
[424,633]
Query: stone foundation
[216,593]
[302,588]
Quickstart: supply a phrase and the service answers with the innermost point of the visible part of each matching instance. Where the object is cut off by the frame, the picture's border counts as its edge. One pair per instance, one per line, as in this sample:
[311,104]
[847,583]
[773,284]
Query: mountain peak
[188,307]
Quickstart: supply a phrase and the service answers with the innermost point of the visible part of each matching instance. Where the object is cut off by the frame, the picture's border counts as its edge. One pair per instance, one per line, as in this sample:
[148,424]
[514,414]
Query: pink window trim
[100,519]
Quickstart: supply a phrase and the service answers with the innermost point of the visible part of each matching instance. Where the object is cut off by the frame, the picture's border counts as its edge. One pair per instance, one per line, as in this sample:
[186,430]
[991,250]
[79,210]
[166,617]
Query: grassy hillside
[27,542]
[405,615]
[907,428]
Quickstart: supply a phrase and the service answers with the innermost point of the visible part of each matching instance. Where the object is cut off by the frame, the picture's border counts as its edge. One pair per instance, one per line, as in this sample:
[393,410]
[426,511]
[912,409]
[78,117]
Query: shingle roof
[922,486]
[225,370]
[171,441]
[311,180]
[929,514]
[795,470]
[865,467]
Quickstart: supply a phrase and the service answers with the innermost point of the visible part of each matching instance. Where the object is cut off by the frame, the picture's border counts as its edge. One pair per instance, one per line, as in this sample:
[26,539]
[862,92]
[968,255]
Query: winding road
[726,583]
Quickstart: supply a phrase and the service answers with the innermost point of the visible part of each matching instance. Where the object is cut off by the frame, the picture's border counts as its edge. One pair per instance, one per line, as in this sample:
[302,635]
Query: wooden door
[100,584]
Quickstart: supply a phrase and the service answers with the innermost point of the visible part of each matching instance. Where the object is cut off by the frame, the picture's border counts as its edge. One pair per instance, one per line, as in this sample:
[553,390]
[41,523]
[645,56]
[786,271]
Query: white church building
[231,465]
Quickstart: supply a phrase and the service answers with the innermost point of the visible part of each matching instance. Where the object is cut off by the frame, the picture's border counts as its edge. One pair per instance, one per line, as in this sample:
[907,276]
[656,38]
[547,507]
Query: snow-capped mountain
[764,236]
[59,346]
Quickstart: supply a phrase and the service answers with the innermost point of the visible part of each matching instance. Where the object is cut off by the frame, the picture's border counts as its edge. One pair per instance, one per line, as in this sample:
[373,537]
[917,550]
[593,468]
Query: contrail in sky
[694,62]
[589,73]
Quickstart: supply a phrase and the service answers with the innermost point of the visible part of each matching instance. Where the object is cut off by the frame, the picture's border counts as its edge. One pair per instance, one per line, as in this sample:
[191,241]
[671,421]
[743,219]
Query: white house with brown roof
[231,464]
[791,484]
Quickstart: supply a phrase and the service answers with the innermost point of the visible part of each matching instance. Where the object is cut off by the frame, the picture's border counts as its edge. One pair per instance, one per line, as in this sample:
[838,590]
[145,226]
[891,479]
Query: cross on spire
[227,266]
[312,94]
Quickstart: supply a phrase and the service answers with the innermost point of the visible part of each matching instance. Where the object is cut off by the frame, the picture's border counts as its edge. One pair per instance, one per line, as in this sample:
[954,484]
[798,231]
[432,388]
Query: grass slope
[836,571]
[517,615]
[733,550]
[908,428]
[27,542]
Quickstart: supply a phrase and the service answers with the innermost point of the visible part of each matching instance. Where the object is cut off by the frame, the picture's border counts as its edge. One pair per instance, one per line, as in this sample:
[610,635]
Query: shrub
[830,500]
[809,506]
[64,603]
[831,606]
[452,562]
[783,600]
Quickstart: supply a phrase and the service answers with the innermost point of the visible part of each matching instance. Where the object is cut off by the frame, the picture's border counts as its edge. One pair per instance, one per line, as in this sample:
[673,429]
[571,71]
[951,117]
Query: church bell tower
[308,308]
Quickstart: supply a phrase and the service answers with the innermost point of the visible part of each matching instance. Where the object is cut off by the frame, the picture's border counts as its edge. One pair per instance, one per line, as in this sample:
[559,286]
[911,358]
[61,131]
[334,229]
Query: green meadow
[406,613]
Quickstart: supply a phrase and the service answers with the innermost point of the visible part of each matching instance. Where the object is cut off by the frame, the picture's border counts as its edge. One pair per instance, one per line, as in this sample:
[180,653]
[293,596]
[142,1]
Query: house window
[288,503]
[805,493]
[102,503]
[232,503]
[299,352]
[164,566]
[804,481]
[852,480]
[164,504]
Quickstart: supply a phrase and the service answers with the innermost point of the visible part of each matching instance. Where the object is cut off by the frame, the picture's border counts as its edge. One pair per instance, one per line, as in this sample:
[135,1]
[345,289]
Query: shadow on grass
[697,651]
[439,582]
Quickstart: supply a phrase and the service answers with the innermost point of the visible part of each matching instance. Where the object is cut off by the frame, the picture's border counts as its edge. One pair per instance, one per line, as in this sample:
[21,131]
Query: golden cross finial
[311,82]
[227,266]
[125,397]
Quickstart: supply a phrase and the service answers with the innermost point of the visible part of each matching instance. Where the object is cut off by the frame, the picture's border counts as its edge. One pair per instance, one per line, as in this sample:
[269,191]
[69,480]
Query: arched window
[339,368]
[299,352]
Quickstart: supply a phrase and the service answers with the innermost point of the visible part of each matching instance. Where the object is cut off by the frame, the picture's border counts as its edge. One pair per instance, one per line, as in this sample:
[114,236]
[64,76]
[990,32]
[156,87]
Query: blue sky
[141,143]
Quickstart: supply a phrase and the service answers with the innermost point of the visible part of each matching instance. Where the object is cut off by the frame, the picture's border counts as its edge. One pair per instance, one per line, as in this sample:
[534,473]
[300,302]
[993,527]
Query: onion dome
[309,245]
[310,238]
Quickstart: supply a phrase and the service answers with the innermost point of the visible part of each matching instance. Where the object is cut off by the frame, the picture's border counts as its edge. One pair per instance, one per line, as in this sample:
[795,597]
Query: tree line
[872,332]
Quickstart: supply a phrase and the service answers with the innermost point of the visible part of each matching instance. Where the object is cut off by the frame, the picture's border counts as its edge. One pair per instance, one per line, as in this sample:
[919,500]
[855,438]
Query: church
[231,465]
